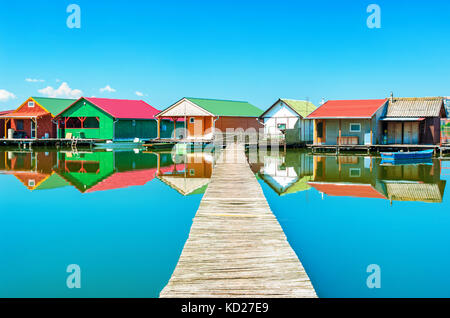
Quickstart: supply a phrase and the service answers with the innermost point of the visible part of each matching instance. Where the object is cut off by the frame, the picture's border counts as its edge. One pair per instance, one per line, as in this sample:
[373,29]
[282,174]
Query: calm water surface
[125,216]
[341,214]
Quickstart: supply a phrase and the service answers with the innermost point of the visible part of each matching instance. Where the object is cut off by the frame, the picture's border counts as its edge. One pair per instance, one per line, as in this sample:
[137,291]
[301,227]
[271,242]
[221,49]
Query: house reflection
[287,173]
[191,174]
[34,169]
[87,171]
[366,177]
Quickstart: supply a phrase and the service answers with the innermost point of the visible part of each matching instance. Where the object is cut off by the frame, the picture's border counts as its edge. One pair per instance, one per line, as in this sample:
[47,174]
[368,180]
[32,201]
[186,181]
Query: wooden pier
[236,247]
[49,142]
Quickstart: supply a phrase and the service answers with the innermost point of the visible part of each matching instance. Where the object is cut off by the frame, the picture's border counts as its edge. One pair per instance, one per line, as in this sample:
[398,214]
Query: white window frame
[191,120]
[31,104]
[353,170]
[355,131]
[31,183]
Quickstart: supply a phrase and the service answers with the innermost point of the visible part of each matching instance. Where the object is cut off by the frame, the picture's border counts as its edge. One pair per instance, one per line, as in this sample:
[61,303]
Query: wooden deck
[236,247]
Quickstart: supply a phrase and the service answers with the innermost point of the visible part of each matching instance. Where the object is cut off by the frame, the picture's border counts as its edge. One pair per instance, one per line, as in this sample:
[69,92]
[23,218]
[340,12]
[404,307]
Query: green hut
[112,119]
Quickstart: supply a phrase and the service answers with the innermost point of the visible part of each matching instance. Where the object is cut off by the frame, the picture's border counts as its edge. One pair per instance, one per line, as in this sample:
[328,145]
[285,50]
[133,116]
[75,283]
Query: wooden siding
[238,122]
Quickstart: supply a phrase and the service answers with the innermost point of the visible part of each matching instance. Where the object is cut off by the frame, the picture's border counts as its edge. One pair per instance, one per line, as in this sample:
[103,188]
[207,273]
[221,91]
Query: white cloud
[63,91]
[140,94]
[34,80]
[6,96]
[108,89]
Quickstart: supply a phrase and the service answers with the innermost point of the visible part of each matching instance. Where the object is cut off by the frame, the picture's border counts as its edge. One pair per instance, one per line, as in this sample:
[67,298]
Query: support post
[158,129]
[340,132]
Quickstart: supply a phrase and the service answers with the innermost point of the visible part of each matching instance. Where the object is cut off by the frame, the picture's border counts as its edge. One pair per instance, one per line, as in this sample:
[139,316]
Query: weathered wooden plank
[236,247]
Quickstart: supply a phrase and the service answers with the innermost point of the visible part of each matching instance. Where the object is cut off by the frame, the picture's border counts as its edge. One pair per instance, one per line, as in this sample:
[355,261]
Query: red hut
[34,118]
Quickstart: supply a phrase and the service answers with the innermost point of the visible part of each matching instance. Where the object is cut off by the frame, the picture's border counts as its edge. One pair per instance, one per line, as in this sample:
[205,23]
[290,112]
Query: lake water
[124,218]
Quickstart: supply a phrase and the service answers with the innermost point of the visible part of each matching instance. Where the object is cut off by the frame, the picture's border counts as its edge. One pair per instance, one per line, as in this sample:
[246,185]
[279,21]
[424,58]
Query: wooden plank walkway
[236,247]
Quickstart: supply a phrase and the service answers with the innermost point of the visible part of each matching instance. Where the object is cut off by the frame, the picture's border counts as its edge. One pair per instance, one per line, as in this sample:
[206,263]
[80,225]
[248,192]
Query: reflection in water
[108,212]
[113,213]
[191,175]
[364,177]
[346,222]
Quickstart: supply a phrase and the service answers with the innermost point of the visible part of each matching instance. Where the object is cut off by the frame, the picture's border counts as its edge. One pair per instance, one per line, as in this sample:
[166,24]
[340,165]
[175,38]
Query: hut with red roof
[111,119]
[348,122]
[3,122]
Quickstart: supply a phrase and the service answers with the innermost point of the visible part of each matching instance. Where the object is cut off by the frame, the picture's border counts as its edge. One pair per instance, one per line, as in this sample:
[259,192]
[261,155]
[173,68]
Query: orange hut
[34,118]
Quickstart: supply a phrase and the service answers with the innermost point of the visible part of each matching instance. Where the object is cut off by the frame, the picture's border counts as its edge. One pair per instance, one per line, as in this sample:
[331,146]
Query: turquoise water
[342,220]
[124,218]
[126,240]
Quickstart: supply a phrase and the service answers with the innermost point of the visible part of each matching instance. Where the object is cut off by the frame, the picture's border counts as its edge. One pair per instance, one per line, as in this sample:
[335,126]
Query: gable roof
[415,107]
[121,108]
[348,190]
[120,180]
[302,107]
[220,107]
[348,109]
[54,105]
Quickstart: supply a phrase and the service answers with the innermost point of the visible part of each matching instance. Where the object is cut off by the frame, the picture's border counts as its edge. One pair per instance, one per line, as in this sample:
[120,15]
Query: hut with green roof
[34,118]
[286,118]
[204,117]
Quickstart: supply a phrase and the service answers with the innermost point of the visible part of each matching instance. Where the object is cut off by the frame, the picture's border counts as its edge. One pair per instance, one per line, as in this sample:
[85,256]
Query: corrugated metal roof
[348,109]
[415,107]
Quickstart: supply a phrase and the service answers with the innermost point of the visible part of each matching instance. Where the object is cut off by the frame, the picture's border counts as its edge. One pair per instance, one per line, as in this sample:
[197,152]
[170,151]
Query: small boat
[391,156]
[136,143]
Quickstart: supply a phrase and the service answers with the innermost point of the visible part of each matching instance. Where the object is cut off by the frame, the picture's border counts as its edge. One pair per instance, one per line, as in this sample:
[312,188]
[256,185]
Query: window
[91,122]
[355,172]
[19,124]
[31,183]
[192,172]
[191,120]
[133,123]
[77,123]
[164,127]
[355,127]
[73,122]
[282,126]
[31,104]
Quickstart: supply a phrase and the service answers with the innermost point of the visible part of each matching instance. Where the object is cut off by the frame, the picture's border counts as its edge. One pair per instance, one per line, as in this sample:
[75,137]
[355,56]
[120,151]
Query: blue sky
[244,50]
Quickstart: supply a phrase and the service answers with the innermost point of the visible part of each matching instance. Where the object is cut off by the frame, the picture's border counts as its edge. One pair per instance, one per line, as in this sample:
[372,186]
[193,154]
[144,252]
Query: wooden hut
[204,117]
[111,119]
[348,122]
[413,121]
[2,122]
[288,117]
[34,118]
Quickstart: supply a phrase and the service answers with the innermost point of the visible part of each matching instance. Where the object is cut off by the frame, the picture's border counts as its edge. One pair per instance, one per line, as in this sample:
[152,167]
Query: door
[398,133]
[411,133]
[33,129]
[321,132]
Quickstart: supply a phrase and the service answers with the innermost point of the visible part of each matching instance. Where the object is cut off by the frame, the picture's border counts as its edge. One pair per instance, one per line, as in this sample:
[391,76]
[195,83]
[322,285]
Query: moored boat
[391,156]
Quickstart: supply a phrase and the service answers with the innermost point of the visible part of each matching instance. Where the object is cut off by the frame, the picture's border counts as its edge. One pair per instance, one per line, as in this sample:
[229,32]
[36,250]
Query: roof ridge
[133,100]
[216,99]
[297,100]
[54,98]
